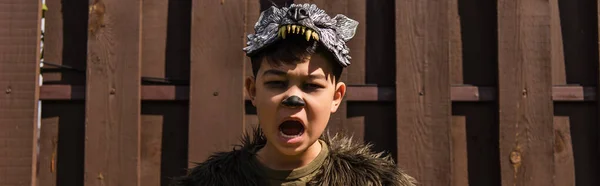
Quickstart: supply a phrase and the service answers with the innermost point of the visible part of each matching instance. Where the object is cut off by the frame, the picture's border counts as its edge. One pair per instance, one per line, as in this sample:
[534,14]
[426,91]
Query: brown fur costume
[348,163]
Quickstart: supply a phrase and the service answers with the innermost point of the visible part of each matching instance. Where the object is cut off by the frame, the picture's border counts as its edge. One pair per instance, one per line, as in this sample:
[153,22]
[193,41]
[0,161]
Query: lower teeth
[289,136]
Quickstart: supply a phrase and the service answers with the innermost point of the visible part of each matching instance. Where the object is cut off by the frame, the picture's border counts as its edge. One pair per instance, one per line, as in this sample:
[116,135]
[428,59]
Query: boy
[297,55]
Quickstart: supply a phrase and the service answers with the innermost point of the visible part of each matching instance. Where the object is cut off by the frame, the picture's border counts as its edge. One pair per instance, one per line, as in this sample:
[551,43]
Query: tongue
[291,128]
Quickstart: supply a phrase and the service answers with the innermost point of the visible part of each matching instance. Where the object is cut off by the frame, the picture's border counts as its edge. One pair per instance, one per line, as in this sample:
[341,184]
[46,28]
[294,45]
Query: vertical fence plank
[460,173]
[216,84]
[48,152]
[455,53]
[564,164]
[53,38]
[525,102]
[357,10]
[458,131]
[423,90]
[154,37]
[563,152]
[150,150]
[559,74]
[112,148]
[19,71]
[154,42]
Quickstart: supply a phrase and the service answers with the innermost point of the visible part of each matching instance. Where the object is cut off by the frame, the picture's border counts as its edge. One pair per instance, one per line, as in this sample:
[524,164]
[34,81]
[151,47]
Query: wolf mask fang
[306,20]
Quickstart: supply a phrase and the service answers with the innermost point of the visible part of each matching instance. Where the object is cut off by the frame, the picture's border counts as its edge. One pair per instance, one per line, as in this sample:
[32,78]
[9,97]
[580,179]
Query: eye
[303,12]
[276,84]
[313,86]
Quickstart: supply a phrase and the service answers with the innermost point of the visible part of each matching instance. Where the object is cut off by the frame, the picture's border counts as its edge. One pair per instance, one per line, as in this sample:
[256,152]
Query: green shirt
[299,176]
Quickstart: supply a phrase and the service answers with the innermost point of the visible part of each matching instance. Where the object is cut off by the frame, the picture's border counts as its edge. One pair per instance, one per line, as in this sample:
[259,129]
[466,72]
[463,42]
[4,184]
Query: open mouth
[291,129]
[308,33]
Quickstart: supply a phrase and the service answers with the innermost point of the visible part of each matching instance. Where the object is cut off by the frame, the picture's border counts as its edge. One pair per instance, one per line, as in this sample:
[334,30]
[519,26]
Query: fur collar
[348,163]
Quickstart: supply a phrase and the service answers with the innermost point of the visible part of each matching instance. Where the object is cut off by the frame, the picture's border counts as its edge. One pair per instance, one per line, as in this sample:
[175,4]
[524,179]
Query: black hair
[292,50]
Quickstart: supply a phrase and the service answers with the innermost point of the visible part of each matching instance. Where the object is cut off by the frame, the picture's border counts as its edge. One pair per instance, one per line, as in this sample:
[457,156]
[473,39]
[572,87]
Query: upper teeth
[298,29]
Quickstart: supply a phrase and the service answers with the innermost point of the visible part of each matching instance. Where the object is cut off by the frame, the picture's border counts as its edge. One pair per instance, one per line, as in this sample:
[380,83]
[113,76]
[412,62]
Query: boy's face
[292,128]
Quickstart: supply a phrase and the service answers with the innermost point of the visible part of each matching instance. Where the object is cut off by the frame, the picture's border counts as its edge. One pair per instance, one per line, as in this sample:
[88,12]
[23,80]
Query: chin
[289,151]
[286,148]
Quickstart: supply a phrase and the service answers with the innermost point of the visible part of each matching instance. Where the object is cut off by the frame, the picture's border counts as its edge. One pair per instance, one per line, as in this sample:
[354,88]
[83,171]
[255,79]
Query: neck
[272,158]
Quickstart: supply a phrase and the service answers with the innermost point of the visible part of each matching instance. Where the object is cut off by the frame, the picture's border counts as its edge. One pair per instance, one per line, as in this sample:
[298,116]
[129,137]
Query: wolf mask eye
[298,13]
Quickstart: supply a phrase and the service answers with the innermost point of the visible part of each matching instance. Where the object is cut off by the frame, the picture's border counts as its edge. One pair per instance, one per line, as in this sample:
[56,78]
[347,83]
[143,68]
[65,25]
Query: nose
[293,102]
[297,13]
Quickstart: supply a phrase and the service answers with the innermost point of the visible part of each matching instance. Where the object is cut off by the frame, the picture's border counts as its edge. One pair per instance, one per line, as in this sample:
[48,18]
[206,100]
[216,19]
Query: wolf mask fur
[348,163]
[306,20]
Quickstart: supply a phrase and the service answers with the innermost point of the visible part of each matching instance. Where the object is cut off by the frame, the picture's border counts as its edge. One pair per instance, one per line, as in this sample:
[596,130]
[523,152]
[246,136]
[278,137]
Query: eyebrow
[316,76]
[282,73]
[274,72]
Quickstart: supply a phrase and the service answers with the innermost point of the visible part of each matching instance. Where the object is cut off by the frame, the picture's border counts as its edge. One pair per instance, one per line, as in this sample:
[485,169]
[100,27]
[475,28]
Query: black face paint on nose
[293,101]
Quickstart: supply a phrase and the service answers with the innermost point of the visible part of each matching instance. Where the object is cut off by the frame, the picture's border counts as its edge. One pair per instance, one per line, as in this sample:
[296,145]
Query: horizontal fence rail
[460,93]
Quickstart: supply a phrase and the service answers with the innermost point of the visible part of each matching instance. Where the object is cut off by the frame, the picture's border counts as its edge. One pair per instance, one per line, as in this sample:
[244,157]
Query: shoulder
[352,162]
[223,168]
[233,167]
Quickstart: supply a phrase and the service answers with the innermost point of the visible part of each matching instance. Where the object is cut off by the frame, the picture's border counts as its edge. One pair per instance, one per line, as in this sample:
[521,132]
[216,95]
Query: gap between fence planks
[525,99]
[19,74]
[216,86]
[112,148]
[423,91]
[598,87]
[65,40]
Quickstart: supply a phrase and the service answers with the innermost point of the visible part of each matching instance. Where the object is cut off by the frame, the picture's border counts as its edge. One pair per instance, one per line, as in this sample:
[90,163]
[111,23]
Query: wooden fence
[460,92]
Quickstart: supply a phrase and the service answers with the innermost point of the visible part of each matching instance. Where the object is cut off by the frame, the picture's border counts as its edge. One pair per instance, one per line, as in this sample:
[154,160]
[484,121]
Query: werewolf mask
[306,20]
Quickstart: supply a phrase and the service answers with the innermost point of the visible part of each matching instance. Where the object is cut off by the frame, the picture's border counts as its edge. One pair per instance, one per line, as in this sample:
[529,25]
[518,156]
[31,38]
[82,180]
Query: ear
[250,85]
[338,96]
[346,27]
